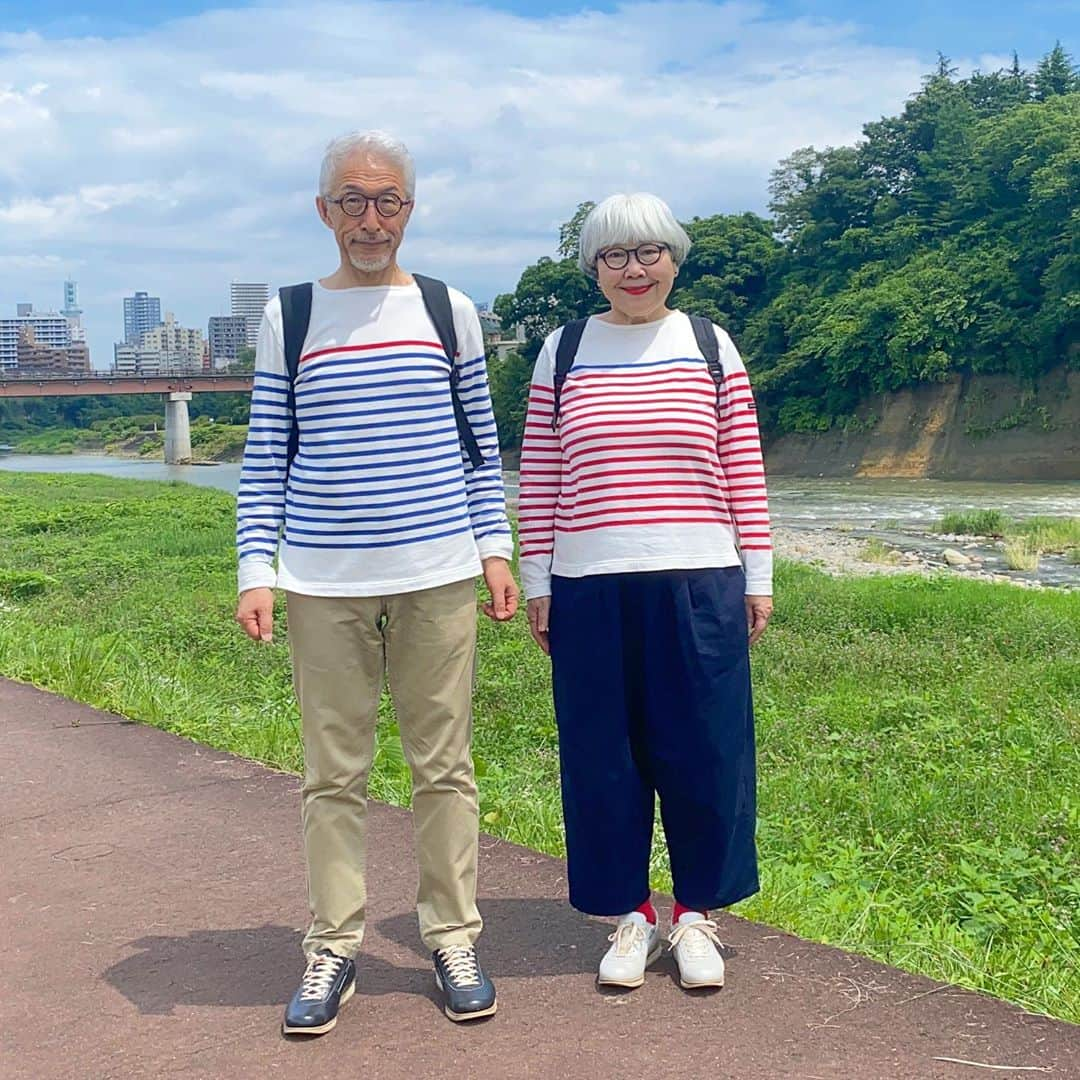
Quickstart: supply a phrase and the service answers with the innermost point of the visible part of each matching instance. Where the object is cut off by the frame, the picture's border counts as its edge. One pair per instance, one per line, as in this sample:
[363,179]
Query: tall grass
[1050,533]
[1021,553]
[1043,533]
[974,523]
[918,738]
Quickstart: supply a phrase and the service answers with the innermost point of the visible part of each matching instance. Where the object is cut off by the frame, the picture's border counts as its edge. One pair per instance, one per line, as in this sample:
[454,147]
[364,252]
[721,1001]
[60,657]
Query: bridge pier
[177,429]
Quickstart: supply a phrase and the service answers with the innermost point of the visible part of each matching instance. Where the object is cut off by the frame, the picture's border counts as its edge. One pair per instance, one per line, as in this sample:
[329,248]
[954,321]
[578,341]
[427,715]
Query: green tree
[570,231]
[509,382]
[1055,75]
[244,362]
[727,275]
[548,294]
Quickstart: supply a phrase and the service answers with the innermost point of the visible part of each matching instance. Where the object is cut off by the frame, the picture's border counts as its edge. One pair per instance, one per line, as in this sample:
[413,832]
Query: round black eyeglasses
[355,205]
[617,258]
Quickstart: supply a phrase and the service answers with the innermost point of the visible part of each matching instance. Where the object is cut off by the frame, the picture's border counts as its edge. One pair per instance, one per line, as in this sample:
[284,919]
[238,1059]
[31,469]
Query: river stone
[955,558]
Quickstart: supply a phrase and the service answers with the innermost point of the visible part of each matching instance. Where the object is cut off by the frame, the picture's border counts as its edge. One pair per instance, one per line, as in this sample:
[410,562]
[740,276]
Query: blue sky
[958,27]
[173,147]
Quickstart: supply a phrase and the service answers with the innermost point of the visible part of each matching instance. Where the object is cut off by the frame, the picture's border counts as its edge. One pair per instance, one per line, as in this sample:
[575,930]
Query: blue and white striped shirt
[381,498]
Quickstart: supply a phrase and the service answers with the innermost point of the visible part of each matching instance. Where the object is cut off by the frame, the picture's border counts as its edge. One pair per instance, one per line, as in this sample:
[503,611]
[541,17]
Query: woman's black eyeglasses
[616,258]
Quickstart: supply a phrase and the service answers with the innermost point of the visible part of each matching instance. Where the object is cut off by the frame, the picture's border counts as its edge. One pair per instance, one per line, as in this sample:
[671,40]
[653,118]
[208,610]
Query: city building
[247,299]
[490,324]
[178,348]
[495,338]
[72,312]
[51,330]
[227,335]
[37,358]
[136,360]
[142,312]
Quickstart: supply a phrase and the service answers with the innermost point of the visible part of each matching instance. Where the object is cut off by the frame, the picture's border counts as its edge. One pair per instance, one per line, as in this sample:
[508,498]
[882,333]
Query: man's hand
[758,612]
[255,613]
[539,610]
[503,588]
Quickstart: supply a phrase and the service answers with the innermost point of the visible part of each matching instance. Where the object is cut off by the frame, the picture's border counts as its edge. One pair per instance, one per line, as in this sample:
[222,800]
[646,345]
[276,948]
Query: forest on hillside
[947,239]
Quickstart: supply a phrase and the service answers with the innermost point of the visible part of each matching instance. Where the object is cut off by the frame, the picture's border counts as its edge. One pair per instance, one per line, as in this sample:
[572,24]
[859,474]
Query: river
[890,508]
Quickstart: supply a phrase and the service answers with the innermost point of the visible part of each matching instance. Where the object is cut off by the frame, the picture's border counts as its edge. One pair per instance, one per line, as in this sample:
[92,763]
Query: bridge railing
[112,376]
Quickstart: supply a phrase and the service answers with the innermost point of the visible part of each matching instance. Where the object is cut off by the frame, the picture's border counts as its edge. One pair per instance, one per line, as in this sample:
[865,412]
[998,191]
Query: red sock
[648,911]
[678,911]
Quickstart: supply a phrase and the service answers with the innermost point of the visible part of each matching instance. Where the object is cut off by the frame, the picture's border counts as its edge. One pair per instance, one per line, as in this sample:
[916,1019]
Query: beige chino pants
[342,648]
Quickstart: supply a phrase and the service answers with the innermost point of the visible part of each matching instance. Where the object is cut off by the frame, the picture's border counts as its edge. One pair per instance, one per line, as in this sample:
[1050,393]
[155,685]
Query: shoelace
[461,965]
[628,937]
[319,977]
[697,945]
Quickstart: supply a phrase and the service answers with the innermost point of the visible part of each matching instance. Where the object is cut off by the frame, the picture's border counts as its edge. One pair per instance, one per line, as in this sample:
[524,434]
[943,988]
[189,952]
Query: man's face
[370,242]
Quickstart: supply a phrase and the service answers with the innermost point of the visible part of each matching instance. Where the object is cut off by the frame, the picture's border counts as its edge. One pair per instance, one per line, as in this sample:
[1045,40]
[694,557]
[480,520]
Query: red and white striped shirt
[645,472]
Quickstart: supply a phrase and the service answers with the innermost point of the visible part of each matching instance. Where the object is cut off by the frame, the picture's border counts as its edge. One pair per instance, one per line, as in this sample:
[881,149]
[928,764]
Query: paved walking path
[151,908]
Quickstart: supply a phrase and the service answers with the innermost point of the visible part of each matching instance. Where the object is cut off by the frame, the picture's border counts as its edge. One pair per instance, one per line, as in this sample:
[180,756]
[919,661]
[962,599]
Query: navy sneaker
[467,992]
[328,983]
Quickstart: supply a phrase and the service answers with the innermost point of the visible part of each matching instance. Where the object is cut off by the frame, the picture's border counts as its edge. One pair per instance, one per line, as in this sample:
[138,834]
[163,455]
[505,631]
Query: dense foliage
[945,240]
[21,417]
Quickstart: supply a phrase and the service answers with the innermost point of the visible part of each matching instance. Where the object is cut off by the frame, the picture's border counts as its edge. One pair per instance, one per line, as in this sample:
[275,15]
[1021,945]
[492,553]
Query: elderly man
[372,453]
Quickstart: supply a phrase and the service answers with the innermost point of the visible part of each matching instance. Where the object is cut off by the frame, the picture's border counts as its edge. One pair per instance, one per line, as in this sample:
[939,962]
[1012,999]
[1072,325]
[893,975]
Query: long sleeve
[260,501]
[739,450]
[541,479]
[483,485]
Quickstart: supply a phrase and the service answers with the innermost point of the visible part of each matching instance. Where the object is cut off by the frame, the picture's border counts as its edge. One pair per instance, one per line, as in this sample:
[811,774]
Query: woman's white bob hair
[376,144]
[629,220]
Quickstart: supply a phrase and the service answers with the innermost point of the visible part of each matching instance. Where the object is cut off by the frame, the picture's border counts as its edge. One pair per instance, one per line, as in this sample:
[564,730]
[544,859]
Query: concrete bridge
[175,389]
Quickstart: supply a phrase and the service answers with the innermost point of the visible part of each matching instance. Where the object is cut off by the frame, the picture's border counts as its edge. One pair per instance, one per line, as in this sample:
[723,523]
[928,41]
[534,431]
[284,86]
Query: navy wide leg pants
[651,677]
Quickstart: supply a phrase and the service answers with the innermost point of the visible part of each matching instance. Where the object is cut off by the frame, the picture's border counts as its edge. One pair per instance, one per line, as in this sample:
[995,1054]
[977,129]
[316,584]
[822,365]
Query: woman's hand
[538,611]
[758,611]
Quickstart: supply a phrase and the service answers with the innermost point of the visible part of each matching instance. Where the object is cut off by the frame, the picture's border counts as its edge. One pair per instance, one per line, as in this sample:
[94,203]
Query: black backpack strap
[436,299]
[295,316]
[705,335]
[565,352]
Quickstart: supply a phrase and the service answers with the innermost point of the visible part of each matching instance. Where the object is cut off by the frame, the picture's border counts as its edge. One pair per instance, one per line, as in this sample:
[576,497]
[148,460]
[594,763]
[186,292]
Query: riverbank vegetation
[136,436]
[919,756]
[1024,540]
[943,241]
[123,424]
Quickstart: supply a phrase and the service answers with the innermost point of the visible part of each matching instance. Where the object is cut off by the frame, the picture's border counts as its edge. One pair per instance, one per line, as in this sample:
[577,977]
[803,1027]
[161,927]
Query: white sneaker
[635,945]
[695,942]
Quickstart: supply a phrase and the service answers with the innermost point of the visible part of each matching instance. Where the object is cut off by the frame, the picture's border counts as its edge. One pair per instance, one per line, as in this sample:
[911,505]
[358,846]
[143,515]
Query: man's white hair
[378,144]
[629,220]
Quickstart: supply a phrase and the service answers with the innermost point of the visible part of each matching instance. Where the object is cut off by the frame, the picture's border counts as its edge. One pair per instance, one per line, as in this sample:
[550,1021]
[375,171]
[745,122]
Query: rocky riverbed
[866,551]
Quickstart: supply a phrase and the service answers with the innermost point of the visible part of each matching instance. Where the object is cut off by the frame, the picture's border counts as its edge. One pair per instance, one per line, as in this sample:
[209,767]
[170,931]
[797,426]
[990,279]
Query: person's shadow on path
[256,966]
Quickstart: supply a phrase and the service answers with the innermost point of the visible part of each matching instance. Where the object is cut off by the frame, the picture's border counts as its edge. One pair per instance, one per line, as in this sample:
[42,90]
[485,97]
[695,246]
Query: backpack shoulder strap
[436,297]
[295,317]
[565,354]
[705,335]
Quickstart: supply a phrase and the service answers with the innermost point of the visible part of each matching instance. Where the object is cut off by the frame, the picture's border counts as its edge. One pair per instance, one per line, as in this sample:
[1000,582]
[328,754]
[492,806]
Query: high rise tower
[247,299]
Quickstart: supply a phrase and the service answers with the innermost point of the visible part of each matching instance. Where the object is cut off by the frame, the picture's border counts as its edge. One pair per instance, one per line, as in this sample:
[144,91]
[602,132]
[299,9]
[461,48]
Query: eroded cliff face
[973,427]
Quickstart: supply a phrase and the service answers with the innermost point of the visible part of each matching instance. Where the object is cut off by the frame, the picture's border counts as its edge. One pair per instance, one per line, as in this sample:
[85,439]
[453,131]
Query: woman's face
[638,292]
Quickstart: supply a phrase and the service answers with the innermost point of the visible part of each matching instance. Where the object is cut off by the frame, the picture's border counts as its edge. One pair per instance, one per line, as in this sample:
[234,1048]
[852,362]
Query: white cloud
[18,263]
[183,157]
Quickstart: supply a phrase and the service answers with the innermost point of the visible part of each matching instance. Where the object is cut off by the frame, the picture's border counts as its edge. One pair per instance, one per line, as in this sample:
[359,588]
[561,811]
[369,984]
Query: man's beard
[370,264]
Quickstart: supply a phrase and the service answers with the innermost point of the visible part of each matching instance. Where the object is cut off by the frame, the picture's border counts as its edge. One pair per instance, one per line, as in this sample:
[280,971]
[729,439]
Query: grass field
[919,758]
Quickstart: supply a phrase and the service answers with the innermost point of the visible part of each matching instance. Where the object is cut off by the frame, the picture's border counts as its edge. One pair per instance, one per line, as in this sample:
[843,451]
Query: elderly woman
[648,567]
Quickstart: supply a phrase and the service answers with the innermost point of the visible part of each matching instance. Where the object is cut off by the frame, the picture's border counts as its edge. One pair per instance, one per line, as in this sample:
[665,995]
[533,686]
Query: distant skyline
[173,147]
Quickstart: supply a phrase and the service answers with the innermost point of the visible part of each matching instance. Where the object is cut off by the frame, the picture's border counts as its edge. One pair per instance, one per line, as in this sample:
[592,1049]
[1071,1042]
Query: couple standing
[372,475]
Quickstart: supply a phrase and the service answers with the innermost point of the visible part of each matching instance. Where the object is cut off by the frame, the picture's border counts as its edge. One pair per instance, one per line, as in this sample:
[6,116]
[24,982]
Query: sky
[173,147]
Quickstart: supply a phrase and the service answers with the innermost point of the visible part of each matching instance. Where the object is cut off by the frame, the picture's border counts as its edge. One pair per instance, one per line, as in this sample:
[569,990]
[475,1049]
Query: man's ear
[324,213]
